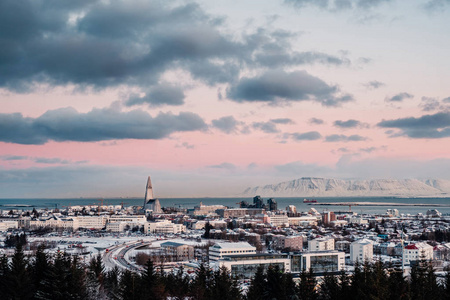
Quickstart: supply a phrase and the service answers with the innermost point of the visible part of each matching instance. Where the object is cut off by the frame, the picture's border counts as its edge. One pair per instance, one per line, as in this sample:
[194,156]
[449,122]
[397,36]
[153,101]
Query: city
[241,240]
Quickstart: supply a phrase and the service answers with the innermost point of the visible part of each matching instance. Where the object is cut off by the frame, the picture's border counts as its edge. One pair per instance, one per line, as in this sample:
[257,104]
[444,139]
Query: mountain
[328,187]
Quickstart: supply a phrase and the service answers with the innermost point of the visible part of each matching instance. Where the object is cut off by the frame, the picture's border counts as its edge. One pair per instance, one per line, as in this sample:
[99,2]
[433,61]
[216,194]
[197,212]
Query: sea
[283,202]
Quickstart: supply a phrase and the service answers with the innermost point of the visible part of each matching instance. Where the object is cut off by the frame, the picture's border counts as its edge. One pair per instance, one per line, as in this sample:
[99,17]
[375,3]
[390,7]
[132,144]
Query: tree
[20,283]
[257,286]
[307,286]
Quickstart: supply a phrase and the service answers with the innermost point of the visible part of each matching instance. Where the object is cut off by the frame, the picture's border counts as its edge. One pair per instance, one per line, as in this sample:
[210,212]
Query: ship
[309,201]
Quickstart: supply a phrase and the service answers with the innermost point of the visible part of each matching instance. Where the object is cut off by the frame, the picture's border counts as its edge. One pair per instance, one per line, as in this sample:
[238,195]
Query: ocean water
[29,204]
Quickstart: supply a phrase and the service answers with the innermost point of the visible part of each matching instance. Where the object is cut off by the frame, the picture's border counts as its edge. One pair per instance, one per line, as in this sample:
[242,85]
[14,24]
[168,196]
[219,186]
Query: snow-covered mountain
[328,187]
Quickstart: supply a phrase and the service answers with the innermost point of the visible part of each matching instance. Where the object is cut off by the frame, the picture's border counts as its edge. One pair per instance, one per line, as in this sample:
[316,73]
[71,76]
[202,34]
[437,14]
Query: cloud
[226,124]
[274,86]
[162,94]
[350,124]
[316,121]
[104,44]
[436,5]
[399,97]
[40,160]
[306,136]
[67,124]
[282,121]
[446,100]
[429,104]
[344,138]
[374,84]
[427,126]
[267,127]
[185,145]
[13,157]
[338,5]
[225,166]
[372,149]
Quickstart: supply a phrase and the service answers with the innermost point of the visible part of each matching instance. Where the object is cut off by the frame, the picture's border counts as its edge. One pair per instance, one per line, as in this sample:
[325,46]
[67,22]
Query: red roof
[412,246]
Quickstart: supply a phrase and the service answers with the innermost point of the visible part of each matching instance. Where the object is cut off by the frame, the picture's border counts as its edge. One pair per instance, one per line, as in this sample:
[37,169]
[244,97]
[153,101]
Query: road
[117,255]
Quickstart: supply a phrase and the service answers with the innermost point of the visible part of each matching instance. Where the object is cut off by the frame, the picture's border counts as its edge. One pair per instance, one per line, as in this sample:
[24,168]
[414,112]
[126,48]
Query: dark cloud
[344,138]
[275,86]
[162,94]
[371,149]
[267,127]
[428,126]
[399,97]
[343,150]
[306,136]
[316,121]
[430,104]
[446,100]
[282,121]
[374,84]
[350,124]
[226,124]
[66,124]
[109,43]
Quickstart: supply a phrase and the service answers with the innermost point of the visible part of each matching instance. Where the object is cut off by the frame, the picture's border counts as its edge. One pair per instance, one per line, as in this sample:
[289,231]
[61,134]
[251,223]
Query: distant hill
[328,187]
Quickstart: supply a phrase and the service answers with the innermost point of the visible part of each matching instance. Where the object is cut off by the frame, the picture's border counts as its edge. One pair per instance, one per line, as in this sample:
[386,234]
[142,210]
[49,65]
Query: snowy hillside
[326,187]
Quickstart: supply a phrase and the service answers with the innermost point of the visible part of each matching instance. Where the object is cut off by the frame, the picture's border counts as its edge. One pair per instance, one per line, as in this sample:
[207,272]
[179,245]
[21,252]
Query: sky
[211,97]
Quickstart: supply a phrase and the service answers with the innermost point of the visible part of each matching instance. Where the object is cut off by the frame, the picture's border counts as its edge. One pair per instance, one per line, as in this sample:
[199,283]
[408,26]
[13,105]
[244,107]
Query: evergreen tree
[20,283]
[398,286]
[4,277]
[224,287]
[307,286]
[275,284]
[111,283]
[201,284]
[128,287]
[329,288]
[257,287]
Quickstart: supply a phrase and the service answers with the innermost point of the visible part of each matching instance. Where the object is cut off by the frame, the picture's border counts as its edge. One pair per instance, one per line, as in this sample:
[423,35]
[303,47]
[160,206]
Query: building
[417,251]
[327,217]
[245,265]
[321,244]
[219,250]
[178,251]
[92,222]
[151,204]
[163,227]
[319,262]
[361,250]
[239,212]
[6,225]
[292,243]
[279,220]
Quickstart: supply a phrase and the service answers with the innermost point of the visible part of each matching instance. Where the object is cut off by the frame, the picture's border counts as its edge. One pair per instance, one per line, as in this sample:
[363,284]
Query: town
[241,239]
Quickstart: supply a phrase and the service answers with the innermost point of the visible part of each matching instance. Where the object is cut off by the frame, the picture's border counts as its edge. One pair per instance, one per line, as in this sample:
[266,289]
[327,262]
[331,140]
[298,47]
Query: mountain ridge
[332,187]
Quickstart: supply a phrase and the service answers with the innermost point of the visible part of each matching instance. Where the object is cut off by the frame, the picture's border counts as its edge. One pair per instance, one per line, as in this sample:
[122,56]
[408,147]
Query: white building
[163,227]
[418,251]
[92,222]
[321,244]
[361,250]
[219,250]
[302,221]
[319,262]
[5,225]
[278,220]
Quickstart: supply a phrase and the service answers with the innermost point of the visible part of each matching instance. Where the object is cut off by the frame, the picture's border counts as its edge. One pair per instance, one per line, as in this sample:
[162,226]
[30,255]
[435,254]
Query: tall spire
[149,190]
